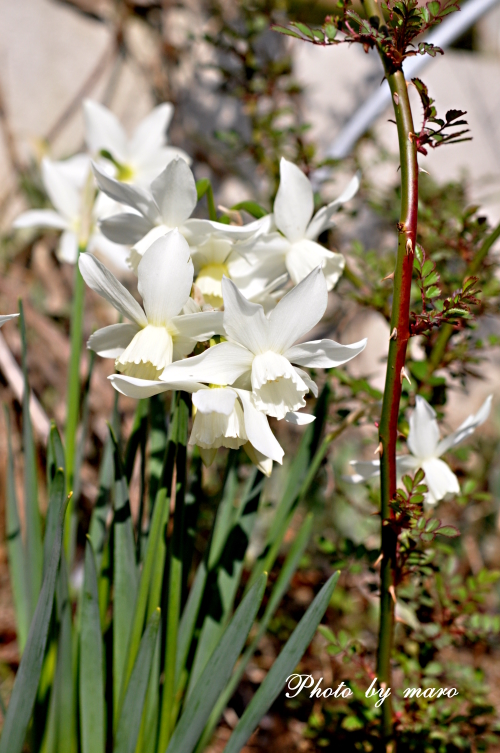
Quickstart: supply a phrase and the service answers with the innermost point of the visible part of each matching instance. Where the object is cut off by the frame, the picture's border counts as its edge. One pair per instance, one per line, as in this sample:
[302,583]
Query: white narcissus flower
[224,417]
[159,333]
[260,350]
[138,159]
[6,318]
[168,205]
[294,248]
[70,188]
[426,449]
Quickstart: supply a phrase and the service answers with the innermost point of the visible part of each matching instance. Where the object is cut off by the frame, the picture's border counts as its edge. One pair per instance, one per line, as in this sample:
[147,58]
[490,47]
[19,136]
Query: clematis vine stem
[73,389]
[400,319]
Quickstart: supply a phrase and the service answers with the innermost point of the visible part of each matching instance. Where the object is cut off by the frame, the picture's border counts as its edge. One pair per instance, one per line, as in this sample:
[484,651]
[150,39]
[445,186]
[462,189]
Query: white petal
[103,130]
[67,248]
[310,384]
[219,400]
[276,386]
[364,470]
[466,428]
[139,388]
[140,248]
[244,322]
[294,203]
[102,281]
[298,312]
[151,133]
[125,228]
[258,429]
[323,219]
[174,191]
[41,218]
[6,318]
[148,354]
[299,419]
[222,364]
[423,437]
[305,255]
[131,196]
[165,278]
[440,479]
[263,463]
[152,164]
[199,230]
[218,428]
[200,326]
[208,456]
[324,354]
[110,342]
[63,193]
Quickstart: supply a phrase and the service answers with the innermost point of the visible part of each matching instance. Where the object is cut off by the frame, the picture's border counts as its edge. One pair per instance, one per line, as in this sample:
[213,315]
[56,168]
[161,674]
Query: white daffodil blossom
[426,450]
[158,333]
[223,417]
[294,248]
[140,158]
[260,350]
[216,257]
[6,318]
[70,188]
[167,205]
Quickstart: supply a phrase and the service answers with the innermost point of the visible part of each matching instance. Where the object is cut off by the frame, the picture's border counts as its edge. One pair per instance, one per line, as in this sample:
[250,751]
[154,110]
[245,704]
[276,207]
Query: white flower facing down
[426,449]
[168,205]
[6,318]
[159,333]
[224,417]
[294,249]
[260,350]
[138,159]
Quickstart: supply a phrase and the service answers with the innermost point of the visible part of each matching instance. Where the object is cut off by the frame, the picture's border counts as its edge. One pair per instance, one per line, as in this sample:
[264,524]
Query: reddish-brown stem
[400,326]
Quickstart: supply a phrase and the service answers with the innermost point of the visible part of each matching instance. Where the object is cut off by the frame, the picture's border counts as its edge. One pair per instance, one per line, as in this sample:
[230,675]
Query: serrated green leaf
[91,677]
[216,673]
[427,267]
[449,531]
[433,292]
[129,723]
[431,279]
[27,678]
[283,666]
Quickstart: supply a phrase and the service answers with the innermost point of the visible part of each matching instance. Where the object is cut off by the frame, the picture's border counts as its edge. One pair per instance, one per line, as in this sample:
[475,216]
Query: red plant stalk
[400,333]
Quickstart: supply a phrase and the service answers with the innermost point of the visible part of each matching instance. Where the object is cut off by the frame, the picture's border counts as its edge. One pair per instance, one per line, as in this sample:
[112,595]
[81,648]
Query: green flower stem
[73,392]
[400,334]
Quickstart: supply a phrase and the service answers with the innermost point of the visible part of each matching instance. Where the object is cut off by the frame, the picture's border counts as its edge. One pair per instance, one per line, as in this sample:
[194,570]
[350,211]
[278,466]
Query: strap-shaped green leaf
[216,673]
[91,679]
[34,551]
[27,678]
[57,494]
[282,668]
[15,548]
[280,587]
[129,722]
[159,521]
[124,576]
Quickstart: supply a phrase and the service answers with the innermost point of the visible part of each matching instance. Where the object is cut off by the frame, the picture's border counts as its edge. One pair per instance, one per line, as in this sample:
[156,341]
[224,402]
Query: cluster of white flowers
[242,294]
[256,288]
